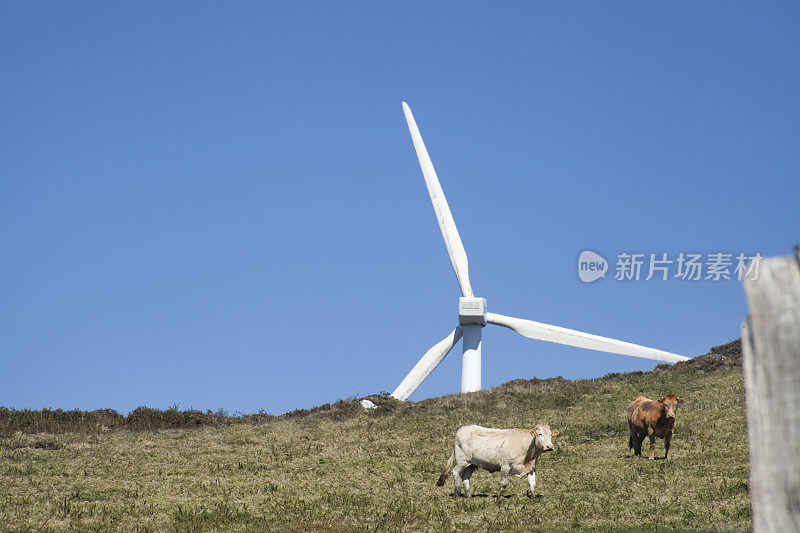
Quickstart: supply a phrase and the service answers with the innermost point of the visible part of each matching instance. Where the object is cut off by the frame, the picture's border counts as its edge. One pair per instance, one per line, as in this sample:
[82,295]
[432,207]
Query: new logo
[591,266]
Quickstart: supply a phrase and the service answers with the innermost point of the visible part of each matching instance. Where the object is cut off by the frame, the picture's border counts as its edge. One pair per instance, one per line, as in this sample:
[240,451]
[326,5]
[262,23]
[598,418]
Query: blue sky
[219,205]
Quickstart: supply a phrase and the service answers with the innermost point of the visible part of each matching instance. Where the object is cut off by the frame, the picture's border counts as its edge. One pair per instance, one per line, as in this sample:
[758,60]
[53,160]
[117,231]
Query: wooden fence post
[771,346]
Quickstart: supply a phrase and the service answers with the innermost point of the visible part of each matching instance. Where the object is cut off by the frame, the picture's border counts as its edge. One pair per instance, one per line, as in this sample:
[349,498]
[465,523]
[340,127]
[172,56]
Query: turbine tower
[472,313]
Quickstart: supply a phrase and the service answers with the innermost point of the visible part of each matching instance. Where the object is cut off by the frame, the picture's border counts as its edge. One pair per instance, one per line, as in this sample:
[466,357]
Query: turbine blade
[455,249]
[570,337]
[426,365]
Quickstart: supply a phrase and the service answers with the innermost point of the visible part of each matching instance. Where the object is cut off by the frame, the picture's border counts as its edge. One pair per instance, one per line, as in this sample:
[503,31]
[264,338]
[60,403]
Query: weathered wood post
[771,346]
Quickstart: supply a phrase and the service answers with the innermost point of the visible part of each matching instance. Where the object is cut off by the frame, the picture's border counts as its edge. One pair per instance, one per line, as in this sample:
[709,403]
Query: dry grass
[346,469]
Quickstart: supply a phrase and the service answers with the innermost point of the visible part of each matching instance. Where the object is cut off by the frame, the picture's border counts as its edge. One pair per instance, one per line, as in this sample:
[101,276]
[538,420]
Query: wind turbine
[472,313]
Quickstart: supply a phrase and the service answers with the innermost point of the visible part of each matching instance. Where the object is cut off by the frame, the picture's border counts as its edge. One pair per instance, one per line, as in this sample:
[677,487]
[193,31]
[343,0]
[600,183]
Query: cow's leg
[651,433]
[532,478]
[505,469]
[465,478]
[457,470]
[639,440]
[531,482]
[666,445]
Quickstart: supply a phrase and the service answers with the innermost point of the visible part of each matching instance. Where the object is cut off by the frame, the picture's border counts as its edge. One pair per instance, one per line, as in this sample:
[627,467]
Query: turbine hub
[472,311]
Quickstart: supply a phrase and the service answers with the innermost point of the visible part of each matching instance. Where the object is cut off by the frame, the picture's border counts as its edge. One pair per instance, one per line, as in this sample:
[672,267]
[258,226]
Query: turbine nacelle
[471,310]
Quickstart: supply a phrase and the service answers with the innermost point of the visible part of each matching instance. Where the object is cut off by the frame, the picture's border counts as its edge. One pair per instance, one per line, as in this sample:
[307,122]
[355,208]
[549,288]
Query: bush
[141,418]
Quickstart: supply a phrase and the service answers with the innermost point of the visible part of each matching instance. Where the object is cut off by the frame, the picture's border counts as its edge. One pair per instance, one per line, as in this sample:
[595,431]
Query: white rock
[366,404]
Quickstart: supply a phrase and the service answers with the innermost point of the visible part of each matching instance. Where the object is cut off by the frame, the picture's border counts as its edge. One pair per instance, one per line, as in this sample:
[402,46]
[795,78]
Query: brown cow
[648,418]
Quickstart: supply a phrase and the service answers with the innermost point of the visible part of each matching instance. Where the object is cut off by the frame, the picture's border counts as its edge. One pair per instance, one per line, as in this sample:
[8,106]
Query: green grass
[342,468]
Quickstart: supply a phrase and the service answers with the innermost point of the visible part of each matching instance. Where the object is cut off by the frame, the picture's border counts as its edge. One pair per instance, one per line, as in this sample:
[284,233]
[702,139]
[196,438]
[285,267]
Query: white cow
[511,451]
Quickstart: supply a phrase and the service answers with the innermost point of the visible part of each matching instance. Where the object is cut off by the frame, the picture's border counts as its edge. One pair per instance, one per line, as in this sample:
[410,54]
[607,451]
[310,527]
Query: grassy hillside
[339,467]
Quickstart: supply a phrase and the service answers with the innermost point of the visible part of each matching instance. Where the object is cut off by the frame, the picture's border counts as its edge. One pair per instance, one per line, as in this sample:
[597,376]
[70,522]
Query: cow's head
[669,405]
[543,437]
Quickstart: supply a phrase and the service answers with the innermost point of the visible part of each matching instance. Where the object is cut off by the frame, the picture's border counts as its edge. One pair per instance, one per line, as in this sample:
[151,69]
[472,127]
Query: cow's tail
[446,471]
[630,441]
